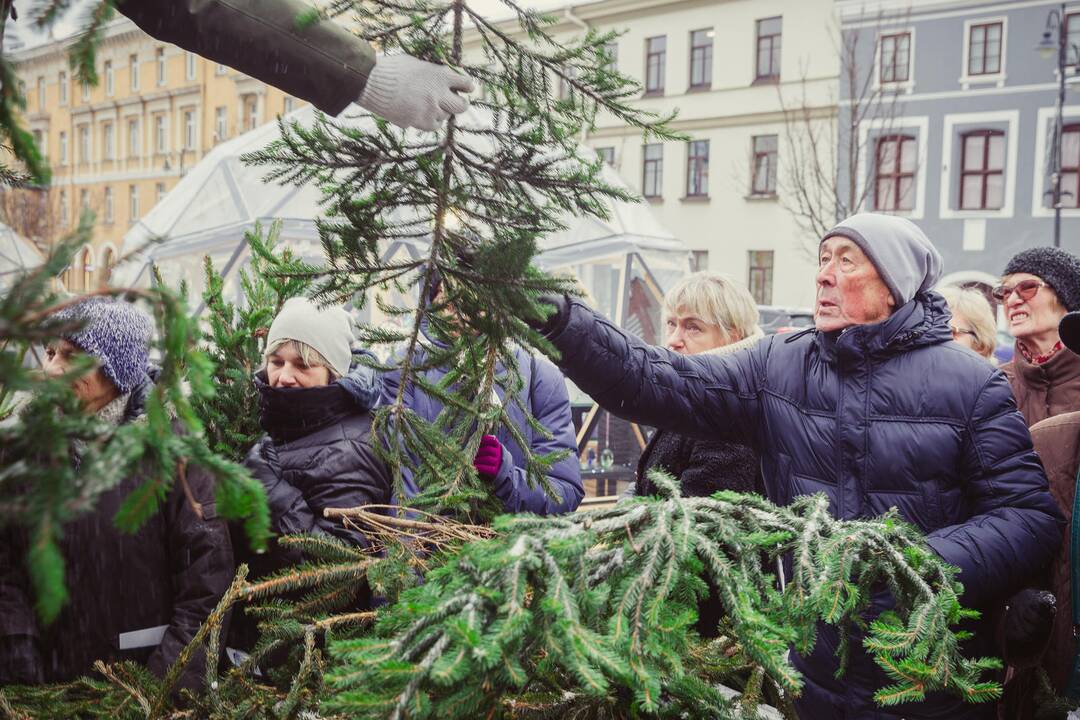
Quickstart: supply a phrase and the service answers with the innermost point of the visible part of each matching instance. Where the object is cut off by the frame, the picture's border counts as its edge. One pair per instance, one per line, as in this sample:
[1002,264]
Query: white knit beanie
[328,330]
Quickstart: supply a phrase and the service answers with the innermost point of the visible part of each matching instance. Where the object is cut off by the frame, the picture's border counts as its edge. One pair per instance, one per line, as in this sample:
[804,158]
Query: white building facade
[730,68]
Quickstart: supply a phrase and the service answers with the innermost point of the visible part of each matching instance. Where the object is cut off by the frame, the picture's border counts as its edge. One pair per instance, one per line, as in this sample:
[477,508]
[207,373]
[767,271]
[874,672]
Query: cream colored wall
[729,223]
[201,94]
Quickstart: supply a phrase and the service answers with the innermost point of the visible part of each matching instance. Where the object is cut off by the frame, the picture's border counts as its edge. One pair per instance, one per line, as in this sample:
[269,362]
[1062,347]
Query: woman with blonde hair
[704,313]
[972,324]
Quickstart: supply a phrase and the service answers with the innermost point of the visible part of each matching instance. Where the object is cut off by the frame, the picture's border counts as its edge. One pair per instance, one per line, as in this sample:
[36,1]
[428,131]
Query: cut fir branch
[477,197]
[602,604]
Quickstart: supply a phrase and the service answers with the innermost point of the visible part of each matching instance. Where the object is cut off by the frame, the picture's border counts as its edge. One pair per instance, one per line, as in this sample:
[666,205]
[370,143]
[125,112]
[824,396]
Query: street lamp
[1056,22]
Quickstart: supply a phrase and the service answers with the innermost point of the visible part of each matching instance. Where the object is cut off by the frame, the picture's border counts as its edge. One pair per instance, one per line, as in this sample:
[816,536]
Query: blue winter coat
[877,416]
[545,395]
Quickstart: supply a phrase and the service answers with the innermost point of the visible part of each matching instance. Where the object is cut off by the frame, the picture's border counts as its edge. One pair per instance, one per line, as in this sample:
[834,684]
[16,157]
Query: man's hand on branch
[413,93]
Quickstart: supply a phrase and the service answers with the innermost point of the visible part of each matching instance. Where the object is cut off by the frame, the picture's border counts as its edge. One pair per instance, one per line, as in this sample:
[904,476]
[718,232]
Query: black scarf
[289,414]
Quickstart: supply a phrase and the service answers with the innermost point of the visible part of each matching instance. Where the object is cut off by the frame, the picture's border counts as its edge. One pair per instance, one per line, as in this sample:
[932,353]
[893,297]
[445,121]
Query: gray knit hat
[906,260]
[116,333]
[327,329]
[1057,268]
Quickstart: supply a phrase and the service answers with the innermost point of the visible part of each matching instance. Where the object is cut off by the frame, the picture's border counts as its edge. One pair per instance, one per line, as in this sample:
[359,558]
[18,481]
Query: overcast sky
[70,23]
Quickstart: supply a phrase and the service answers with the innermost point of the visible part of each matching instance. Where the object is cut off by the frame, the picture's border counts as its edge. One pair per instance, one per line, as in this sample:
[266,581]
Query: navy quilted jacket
[877,416]
[545,395]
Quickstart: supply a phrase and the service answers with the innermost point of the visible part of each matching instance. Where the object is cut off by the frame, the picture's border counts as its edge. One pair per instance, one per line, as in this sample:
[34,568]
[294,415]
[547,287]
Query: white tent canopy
[17,255]
[221,197]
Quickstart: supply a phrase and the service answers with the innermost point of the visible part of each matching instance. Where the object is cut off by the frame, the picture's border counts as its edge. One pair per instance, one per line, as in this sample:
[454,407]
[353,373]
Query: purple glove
[488,458]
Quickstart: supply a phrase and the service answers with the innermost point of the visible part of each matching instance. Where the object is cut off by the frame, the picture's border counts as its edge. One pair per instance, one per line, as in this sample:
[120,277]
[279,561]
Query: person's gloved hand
[489,456]
[559,315]
[413,93]
[1029,618]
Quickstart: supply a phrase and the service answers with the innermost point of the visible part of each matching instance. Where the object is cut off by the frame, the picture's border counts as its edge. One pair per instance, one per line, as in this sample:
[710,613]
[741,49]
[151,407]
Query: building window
[85,91]
[84,199]
[221,128]
[84,144]
[159,192]
[87,270]
[701,42]
[63,148]
[1070,166]
[982,174]
[760,276]
[39,140]
[133,64]
[697,168]
[62,82]
[189,65]
[894,173]
[652,170]
[134,141]
[895,58]
[768,49]
[763,165]
[161,140]
[189,129]
[108,262]
[222,69]
[1072,37]
[107,141]
[65,212]
[110,85]
[108,205]
[289,105]
[566,88]
[655,58]
[607,154]
[984,49]
[41,94]
[611,56]
[133,203]
[251,112]
[699,260]
[160,55]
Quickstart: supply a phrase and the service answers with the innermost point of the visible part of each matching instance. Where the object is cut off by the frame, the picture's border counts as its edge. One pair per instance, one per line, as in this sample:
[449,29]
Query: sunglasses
[1026,289]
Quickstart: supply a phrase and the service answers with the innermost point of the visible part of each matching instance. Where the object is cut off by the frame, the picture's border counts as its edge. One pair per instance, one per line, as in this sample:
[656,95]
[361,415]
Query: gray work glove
[413,93]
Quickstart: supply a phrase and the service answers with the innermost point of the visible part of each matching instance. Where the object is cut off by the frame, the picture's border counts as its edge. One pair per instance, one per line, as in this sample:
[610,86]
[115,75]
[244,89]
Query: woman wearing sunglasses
[1039,286]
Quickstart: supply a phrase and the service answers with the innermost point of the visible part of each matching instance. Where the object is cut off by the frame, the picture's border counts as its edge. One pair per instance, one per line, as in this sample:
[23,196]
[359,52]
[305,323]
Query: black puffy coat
[131,596]
[318,454]
[887,415]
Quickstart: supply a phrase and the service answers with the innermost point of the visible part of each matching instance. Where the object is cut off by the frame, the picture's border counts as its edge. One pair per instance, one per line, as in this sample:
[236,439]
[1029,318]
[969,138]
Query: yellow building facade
[117,148]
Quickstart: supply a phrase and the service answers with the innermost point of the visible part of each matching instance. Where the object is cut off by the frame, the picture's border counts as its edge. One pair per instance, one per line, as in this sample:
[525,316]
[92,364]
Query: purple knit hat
[116,333]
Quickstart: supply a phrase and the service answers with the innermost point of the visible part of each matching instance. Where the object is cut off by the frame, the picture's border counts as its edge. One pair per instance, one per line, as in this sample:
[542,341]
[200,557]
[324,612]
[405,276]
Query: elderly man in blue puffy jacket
[876,407]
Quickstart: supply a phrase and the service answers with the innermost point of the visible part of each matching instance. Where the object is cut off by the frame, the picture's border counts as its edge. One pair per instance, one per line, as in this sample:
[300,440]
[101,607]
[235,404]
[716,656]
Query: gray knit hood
[906,260]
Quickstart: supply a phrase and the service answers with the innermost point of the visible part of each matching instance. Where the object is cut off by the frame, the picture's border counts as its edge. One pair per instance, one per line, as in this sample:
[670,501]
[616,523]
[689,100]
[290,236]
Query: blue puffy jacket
[545,395]
[877,416]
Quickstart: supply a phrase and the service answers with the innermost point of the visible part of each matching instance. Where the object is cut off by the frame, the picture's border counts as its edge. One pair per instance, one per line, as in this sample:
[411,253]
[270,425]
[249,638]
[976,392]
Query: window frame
[766,271]
[897,174]
[191,65]
[984,172]
[161,134]
[108,141]
[983,72]
[703,54]
[108,211]
[697,167]
[882,80]
[661,66]
[772,171]
[62,83]
[221,122]
[133,71]
[110,78]
[161,66]
[1073,127]
[188,116]
[775,42]
[658,164]
[41,93]
[133,203]
[606,154]
[63,142]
